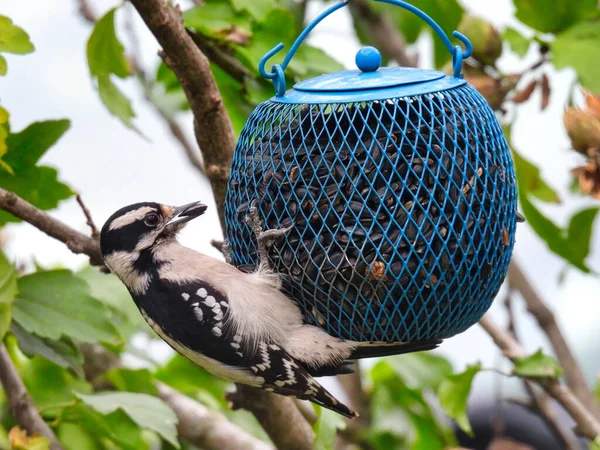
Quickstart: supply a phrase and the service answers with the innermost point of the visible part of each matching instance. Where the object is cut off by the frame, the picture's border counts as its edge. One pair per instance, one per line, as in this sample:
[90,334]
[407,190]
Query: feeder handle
[277,71]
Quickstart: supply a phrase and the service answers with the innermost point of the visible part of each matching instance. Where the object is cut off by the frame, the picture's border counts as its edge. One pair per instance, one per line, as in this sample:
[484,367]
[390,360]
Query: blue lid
[356,80]
[368,76]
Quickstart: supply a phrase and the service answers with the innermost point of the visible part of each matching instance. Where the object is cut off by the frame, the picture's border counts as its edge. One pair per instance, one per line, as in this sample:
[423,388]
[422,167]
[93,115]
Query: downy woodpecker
[237,325]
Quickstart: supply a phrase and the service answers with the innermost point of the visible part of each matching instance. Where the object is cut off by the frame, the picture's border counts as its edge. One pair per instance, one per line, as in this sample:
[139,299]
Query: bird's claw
[264,238]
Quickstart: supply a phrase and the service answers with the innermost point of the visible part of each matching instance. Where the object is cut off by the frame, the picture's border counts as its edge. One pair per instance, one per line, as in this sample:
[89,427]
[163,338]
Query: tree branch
[204,428]
[222,56]
[382,32]
[20,403]
[279,416]
[76,242]
[540,402]
[547,322]
[587,425]
[212,124]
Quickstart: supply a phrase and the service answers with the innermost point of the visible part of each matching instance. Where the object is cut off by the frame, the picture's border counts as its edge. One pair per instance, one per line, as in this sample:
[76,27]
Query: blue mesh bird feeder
[399,187]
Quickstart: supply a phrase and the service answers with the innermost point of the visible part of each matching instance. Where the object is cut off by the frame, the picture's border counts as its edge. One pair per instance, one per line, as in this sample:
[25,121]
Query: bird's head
[139,227]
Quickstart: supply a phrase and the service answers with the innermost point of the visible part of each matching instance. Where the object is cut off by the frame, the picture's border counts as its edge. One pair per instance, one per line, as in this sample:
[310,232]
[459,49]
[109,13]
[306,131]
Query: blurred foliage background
[50,315]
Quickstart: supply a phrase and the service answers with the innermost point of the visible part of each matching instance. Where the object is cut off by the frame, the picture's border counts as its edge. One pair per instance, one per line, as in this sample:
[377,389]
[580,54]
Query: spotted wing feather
[193,319]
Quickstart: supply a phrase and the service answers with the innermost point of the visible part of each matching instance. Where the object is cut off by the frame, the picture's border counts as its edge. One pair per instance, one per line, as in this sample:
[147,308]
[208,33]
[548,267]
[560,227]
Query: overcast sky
[111,166]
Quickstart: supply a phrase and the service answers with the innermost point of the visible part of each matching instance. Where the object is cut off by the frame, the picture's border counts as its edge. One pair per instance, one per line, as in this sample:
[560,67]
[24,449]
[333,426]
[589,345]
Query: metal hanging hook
[277,74]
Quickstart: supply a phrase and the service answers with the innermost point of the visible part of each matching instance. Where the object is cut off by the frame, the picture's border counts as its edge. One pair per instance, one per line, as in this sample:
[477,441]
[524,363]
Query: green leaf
[3,132]
[140,380]
[13,39]
[404,411]
[518,43]
[596,444]
[233,96]
[106,57]
[105,54]
[145,410]
[62,352]
[578,48]
[215,18]
[313,62]
[447,14]
[185,376]
[421,370]
[8,291]
[26,147]
[531,181]
[3,66]
[454,394]
[258,9]
[36,184]
[326,428]
[75,437]
[569,245]
[112,292]
[116,426]
[552,16]
[50,385]
[598,389]
[56,303]
[386,440]
[278,26]
[537,365]
[116,103]
[579,232]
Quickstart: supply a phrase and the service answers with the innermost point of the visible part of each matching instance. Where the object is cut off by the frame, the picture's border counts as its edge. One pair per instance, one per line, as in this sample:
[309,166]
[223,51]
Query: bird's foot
[226,251]
[264,238]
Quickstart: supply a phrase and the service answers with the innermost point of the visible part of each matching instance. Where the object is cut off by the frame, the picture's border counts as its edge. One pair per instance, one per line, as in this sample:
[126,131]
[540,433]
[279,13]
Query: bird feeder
[399,187]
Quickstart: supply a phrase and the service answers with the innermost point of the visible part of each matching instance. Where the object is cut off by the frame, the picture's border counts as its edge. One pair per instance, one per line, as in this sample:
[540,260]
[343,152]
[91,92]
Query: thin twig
[587,425]
[223,56]
[20,404]
[540,402]
[88,217]
[212,125]
[86,11]
[547,322]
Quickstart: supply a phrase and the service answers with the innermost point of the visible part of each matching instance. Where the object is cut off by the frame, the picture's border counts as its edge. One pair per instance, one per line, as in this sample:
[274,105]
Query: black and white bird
[237,325]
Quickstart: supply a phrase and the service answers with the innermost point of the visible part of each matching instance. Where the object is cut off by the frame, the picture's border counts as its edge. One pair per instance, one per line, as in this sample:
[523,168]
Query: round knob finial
[368,59]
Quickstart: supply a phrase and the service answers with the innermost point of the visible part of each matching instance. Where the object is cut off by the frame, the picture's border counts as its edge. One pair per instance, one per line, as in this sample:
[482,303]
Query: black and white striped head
[139,227]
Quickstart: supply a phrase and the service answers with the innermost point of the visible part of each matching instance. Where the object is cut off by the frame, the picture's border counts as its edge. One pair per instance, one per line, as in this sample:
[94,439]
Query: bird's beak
[183,214]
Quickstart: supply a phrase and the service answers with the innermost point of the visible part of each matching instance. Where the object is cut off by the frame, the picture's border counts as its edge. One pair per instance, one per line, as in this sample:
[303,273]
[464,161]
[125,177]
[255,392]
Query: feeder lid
[368,76]
[368,83]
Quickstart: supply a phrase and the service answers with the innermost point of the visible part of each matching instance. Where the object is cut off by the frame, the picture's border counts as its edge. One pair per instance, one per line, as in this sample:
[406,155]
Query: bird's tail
[321,396]
[375,349]
[309,389]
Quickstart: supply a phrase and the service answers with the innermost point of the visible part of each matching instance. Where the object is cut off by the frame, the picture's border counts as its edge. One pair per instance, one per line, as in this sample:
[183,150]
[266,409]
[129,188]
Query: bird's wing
[193,318]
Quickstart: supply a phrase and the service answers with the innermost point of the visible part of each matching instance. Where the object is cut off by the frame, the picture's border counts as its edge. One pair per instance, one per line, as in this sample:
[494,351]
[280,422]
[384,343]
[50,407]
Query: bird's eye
[152,220]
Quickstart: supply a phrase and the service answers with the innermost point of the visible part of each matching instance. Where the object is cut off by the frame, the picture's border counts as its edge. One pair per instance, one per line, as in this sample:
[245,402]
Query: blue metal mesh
[404,210]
